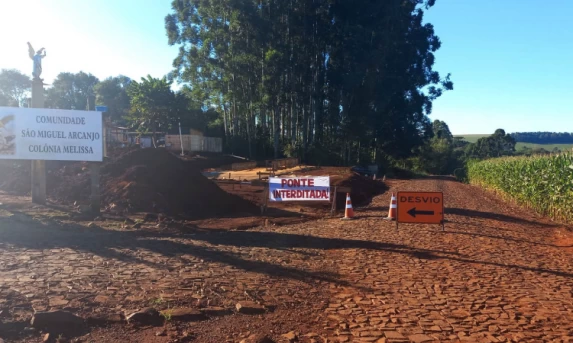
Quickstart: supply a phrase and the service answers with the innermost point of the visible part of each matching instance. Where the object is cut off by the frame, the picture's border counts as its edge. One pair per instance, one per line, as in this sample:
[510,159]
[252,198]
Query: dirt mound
[151,180]
[15,175]
[71,183]
[363,189]
[132,180]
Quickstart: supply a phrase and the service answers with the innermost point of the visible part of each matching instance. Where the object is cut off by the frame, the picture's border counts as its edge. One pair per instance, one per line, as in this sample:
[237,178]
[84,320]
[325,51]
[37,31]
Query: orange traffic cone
[348,212]
[393,208]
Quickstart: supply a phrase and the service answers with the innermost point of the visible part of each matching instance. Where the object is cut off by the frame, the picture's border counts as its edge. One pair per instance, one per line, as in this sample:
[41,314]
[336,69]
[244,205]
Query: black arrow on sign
[413,213]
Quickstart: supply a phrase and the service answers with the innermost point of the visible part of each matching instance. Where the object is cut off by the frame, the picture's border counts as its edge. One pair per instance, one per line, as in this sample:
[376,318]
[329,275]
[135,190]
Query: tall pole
[95,167]
[38,166]
[181,139]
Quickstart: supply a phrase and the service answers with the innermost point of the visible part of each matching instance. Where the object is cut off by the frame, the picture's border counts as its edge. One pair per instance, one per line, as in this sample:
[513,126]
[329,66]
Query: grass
[156,301]
[472,138]
[167,315]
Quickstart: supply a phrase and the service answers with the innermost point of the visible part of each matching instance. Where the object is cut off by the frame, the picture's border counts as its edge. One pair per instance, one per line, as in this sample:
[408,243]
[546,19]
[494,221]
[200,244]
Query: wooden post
[38,166]
[104,131]
[265,198]
[38,182]
[95,189]
[333,210]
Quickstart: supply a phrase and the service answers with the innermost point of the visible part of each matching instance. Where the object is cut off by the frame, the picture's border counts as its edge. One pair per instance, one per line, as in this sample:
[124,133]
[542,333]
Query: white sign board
[309,188]
[49,134]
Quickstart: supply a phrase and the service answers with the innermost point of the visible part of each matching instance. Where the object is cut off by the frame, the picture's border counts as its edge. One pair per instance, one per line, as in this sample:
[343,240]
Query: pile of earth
[153,180]
[363,189]
[15,175]
[135,180]
[12,176]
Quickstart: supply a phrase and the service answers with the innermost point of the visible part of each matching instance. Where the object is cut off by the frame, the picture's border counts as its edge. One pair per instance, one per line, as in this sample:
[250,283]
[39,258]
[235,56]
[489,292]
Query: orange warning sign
[421,207]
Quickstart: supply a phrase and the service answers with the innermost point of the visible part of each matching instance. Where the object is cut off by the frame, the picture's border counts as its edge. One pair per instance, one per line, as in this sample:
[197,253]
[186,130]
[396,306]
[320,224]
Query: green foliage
[154,106]
[14,87]
[543,137]
[167,315]
[72,91]
[530,147]
[442,153]
[524,148]
[5,101]
[156,301]
[497,145]
[351,79]
[543,183]
[441,131]
[112,92]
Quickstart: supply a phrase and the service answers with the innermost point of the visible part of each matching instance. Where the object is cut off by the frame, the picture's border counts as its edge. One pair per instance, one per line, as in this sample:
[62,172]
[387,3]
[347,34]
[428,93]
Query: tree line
[148,105]
[329,81]
[543,137]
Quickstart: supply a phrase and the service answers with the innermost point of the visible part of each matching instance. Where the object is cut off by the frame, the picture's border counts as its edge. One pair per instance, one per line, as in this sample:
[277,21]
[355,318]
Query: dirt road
[497,274]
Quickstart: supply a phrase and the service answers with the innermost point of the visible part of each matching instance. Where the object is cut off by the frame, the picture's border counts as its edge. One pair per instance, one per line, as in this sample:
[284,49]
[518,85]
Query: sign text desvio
[50,134]
[311,188]
[420,207]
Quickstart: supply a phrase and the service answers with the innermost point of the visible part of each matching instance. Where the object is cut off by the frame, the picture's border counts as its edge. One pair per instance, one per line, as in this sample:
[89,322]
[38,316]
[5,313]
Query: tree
[543,137]
[112,92]
[14,86]
[440,154]
[72,91]
[441,130]
[199,113]
[351,80]
[154,106]
[496,145]
[4,100]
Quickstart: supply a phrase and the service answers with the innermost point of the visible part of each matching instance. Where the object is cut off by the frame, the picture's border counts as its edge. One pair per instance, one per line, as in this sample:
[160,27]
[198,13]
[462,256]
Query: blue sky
[511,61]
[102,37]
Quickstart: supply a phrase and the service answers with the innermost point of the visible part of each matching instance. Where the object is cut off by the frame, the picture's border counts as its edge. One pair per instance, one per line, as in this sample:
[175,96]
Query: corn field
[542,183]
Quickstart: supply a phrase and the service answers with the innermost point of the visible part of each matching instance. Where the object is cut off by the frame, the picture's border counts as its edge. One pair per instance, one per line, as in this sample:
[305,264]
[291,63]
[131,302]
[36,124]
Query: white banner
[315,188]
[48,134]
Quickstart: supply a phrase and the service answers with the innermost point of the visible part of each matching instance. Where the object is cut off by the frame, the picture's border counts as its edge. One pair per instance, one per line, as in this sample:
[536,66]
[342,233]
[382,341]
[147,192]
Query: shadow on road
[494,216]
[120,245]
[504,238]
[494,228]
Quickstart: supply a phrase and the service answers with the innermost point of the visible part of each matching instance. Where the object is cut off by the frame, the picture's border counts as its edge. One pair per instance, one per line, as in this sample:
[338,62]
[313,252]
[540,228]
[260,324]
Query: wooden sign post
[420,208]
[38,166]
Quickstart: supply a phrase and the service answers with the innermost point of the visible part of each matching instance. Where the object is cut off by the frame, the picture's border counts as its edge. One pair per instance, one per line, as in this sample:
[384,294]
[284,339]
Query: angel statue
[37,58]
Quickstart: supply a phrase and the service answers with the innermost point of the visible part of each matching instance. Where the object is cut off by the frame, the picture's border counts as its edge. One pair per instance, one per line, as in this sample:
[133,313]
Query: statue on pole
[37,58]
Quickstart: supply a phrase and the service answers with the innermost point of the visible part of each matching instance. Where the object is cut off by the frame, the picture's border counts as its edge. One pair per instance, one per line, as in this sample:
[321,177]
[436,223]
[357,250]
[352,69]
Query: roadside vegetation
[542,183]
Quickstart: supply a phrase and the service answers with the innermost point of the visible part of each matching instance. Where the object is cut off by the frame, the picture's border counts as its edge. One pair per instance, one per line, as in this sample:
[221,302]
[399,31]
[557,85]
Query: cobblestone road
[495,274]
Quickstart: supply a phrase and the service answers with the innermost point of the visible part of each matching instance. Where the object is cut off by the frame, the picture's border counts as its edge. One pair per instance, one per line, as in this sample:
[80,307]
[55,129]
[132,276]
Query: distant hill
[472,138]
[543,137]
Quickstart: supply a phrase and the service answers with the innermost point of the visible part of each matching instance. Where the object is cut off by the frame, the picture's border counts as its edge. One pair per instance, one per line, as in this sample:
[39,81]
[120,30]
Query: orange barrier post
[393,208]
[348,212]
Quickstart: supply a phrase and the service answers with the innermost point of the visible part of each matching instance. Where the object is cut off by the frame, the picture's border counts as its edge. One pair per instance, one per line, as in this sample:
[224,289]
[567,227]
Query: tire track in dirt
[494,275]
